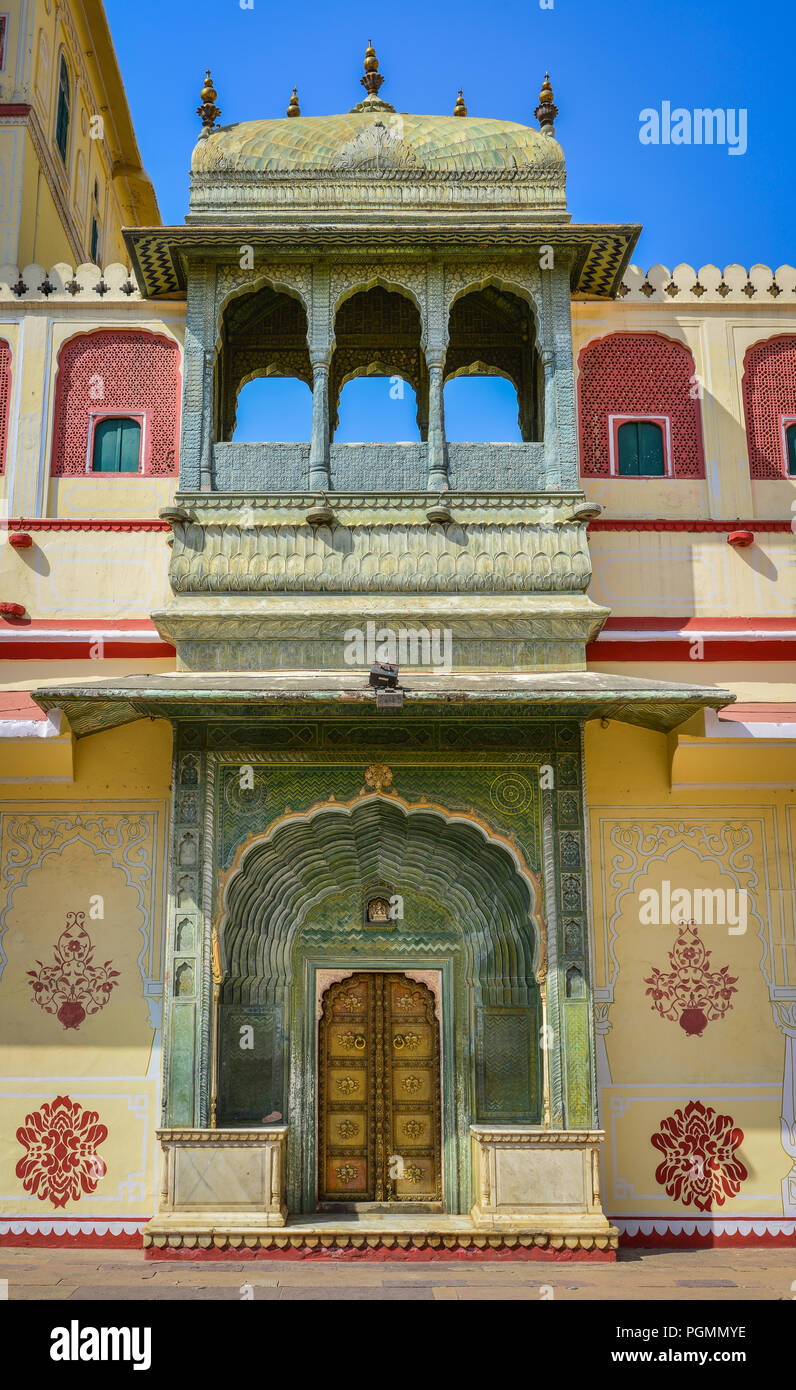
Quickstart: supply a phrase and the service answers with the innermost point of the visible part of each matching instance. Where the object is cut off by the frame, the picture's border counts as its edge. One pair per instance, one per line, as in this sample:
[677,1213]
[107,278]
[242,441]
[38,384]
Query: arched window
[790,443]
[639,450]
[116,374]
[377,409]
[632,377]
[273,408]
[769,402]
[117,446]
[62,110]
[482,408]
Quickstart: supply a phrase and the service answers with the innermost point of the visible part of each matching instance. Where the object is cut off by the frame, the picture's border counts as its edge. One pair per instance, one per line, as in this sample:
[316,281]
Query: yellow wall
[642,833]
[96,847]
[50,219]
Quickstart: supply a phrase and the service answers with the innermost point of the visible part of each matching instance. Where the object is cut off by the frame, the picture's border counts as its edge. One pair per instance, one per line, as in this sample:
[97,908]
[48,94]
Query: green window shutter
[640,449]
[627,442]
[790,438]
[117,447]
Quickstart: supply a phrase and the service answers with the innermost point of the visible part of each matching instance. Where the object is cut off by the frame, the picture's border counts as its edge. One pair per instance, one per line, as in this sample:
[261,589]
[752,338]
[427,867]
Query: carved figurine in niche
[378,910]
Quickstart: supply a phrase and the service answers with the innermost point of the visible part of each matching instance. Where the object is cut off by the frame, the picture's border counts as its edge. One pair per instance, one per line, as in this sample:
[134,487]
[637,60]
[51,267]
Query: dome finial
[208,109]
[373,78]
[293,108]
[546,111]
[460,109]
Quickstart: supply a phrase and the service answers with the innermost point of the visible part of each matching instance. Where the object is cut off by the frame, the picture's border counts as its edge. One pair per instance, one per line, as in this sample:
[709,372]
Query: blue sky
[608,60]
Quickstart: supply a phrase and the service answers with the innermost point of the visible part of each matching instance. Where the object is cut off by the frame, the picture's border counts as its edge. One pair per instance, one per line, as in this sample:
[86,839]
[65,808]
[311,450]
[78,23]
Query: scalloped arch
[300,859]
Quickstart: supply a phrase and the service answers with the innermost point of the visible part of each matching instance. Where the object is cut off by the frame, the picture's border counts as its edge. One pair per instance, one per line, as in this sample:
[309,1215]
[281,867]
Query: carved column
[437,446]
[196,438]
[321,343]
[435,344]
[547,358]
[320,476]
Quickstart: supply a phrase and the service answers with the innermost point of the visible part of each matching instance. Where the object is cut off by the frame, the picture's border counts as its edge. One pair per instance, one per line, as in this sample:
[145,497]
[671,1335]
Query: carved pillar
[547,358]
[558,336]
[321,343]
[435,344]
[437,446]
[422,399]
[196,437]
[320,476]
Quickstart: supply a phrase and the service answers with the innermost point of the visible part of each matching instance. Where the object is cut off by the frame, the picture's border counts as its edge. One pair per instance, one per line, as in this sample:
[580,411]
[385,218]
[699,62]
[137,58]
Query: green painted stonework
[467,805]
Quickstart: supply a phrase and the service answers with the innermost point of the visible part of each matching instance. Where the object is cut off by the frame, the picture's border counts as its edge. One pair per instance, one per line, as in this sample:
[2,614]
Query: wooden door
[379,1092]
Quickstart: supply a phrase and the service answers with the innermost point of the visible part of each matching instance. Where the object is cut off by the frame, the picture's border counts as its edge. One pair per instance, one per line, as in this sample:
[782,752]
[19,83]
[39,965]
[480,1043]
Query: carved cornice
[235,502]
[597,255]
[237,1138]
[514,1137]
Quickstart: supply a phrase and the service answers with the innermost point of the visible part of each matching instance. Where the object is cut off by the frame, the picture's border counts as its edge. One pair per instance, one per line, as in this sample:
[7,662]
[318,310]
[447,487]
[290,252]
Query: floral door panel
[379,1092]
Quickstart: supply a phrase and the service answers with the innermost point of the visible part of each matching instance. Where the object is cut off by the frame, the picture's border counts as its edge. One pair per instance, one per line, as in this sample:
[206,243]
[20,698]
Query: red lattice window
[769,402]
[5,399]
[639,374]
[117,372]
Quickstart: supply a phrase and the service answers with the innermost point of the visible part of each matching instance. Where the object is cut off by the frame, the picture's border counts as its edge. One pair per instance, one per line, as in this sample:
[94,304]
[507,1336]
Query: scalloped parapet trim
[87,283]
[708,285]
[427,1245]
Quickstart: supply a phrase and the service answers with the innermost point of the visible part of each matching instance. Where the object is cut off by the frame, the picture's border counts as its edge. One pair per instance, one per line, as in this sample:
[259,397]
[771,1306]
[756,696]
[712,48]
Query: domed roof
[379,142]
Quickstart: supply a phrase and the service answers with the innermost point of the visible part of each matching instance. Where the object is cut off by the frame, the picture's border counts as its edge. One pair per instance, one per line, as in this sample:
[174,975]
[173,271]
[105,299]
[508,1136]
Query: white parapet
[526,1176]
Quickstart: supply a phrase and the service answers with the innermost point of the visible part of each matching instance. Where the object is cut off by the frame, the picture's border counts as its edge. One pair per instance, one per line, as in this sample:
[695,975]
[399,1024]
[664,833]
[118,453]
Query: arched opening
[482,407]
[378,409]
[263,334]
[470,917]
[492,336]
[63,110]
[769,401]
[273,408]
[377,334]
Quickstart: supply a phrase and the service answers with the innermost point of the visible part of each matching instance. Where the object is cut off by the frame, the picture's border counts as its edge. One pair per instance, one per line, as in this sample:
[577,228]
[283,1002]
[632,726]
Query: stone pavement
[687,1275]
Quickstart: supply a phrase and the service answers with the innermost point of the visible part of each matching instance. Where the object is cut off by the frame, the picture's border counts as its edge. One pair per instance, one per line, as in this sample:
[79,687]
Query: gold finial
[460,109]
[373,78]
[208,109]
[293,108]
[546,111]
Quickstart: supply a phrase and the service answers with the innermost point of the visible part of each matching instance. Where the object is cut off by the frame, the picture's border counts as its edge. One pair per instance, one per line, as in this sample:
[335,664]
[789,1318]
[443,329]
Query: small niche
[185,935]
[183,980]
[576,985]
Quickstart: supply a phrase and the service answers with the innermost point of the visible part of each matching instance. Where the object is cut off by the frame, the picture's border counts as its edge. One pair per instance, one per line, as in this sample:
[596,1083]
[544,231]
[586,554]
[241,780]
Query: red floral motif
[61,1142]
[700,1167]
[74,986]
[692,994]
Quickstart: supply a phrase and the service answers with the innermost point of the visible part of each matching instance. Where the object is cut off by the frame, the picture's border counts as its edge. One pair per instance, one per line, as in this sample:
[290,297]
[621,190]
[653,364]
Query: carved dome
[380,142]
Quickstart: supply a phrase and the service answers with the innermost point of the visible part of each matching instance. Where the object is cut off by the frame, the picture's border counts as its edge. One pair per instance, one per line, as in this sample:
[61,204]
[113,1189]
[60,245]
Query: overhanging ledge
[103,704]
